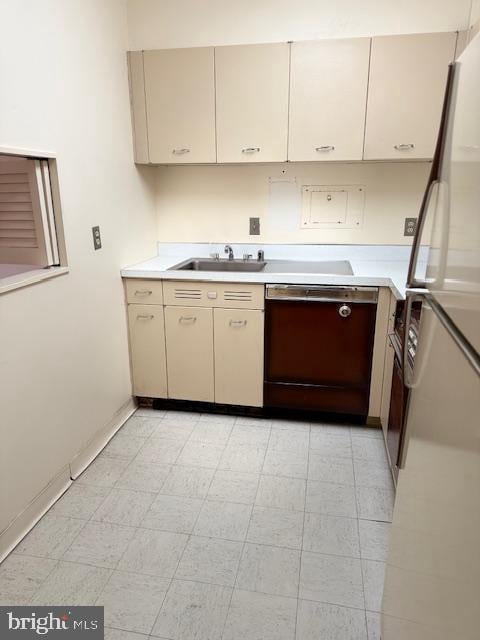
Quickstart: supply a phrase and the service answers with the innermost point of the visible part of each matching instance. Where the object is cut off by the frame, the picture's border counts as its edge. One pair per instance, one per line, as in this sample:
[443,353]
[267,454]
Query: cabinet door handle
[345,311]
[180,152]
[251,150]
[325,147]
[238,323]
[404,147]
[143,292]
[187,319]
[151,317]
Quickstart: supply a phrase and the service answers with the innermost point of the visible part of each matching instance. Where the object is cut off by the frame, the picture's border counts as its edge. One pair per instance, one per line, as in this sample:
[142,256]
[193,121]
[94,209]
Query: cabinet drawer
[144,291]
[189,340]
[214,294]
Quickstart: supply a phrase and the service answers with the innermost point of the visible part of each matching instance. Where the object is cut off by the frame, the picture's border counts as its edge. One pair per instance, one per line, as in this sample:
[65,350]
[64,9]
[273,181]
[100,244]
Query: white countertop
[385,266]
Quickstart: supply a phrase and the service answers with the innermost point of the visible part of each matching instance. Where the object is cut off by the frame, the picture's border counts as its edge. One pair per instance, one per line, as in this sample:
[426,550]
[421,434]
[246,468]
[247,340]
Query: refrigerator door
[432,580]
[453,271]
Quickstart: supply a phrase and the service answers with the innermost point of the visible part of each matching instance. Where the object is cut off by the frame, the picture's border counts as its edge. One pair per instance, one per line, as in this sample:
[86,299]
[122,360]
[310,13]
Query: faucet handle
[247,256]
[261,255]
[215,256]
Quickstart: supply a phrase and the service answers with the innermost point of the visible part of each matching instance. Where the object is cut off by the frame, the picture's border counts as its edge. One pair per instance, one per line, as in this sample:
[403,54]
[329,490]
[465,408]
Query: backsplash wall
[213,203]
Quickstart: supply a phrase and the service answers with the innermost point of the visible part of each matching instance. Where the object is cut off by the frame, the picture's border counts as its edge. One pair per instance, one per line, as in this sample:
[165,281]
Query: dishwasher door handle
[345,311]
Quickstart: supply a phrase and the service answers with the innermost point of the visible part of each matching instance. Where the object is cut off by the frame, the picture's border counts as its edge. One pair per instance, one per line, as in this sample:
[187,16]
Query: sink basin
[204,264]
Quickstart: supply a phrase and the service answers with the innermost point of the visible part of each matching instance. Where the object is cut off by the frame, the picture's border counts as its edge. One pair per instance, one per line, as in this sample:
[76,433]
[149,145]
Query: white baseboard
[28,518]
[86,456]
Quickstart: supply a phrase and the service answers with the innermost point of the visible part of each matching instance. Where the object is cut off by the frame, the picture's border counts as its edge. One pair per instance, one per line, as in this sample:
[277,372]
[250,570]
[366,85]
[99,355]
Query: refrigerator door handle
[412,281]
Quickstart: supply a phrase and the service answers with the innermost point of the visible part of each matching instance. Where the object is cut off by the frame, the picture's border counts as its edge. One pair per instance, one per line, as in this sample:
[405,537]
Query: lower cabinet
[238,337]
[189,340]
[147,350]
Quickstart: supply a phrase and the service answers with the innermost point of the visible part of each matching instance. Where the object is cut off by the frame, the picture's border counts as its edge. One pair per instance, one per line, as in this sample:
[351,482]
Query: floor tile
[374,537]
[21,577]
[192,482]
[366,432]
[330,469]
[100,543]
[254,422]
[375,503]
[123,506]
[284,463]
[180,431]
[143,476]
[118,634]
[331,579]
[123,446]
[251,436]
[160,450]
[181,417]
[228,520]
[272,570]
[284,493]
[173,513]
[258,616]
[242,458]
[51,537]
[132,601]
[103,472]
[80,501]
[201,454]
[193,611]
[72,584]
[155,553]
[334,428]
[370,473]
[331,535]
[373,579]
[290,440]
[330,444]
[369,449]
[291,425]
[373,625]
[217,418]
[278,527]
[140,426]
[318,621]
[214,432]
[331,499]
[210,560]
[149,412]
[234,486]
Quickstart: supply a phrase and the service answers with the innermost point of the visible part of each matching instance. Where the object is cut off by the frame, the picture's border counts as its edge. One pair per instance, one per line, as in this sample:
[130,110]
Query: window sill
[27,278]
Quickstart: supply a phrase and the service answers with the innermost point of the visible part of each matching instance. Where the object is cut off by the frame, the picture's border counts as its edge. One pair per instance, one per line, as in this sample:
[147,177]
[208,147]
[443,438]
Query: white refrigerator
[432,580]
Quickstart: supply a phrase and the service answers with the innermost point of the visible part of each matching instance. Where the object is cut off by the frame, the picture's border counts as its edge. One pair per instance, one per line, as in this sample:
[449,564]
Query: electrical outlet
[410,227]
[254,226]
[97,240]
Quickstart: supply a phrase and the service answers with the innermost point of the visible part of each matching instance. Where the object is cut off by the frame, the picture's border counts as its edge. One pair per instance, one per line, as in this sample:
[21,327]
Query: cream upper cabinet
[405,94]
[328,95]
[147,350]
[180,105]
[189,339]
[238,356]
[252,102]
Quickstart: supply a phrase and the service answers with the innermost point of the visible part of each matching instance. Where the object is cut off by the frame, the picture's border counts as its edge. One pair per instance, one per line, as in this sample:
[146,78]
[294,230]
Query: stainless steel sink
[205,264]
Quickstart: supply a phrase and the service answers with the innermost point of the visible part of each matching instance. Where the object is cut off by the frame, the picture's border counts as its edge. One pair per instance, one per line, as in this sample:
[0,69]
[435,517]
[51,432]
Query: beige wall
[213,203]
[186,23]
[64,369]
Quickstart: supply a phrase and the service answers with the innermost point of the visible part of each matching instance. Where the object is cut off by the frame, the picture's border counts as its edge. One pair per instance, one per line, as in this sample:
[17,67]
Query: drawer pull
[180,152]
[325,147]
[238,323]
[404,147]
[251,150]
[151,317]
[143,292]
[345,311]
[187,319]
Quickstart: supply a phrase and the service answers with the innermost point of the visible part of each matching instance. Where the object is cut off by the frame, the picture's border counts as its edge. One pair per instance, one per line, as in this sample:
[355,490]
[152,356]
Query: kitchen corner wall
[64,366]
[213,203]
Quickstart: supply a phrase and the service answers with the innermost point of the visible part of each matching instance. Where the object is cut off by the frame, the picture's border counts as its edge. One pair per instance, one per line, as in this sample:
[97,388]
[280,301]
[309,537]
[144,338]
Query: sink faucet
[228,249]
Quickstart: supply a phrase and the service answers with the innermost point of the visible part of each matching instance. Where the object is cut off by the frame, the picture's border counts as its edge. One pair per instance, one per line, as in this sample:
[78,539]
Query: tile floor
[206,527]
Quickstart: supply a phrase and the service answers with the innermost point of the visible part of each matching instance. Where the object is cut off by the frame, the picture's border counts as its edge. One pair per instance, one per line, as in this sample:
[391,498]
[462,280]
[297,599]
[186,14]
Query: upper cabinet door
[180,105]
[405,94]
[328,95]
[252,102]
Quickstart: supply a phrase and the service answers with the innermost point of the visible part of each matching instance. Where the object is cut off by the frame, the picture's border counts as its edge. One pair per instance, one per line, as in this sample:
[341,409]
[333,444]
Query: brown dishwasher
[318,348]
